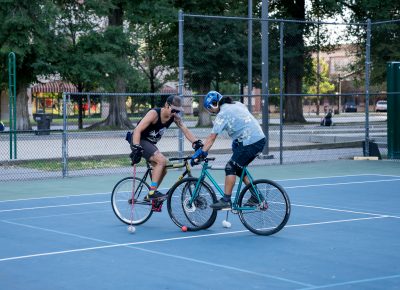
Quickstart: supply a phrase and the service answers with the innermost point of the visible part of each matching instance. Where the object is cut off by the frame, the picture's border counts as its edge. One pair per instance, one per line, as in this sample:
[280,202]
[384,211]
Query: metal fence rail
[67,151]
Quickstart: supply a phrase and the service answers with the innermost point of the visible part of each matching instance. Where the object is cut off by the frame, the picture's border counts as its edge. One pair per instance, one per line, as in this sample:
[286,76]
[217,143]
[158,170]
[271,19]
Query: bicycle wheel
[195,216]
[121,201]
[269,216]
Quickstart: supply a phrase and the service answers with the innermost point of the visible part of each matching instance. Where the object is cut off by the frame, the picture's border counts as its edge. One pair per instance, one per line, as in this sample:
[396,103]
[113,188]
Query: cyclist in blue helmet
[246,133]
[211,101]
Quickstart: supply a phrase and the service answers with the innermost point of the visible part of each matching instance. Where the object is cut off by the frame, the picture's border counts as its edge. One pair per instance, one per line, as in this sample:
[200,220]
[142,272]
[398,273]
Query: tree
[214,48]
[384,36]
[150,25]
[324,85]
[24,30]
[96,55]
[78,60]
[297,60]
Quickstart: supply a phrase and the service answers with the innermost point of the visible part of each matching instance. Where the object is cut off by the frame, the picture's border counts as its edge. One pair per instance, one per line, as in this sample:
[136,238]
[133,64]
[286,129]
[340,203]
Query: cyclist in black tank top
[149,131]
[154,132]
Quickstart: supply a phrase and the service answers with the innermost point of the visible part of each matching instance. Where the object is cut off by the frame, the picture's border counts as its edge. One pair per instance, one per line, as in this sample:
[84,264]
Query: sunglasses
[175,111]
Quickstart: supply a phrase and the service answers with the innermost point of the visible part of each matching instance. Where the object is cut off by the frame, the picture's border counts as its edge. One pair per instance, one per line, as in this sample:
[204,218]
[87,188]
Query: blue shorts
[243,155]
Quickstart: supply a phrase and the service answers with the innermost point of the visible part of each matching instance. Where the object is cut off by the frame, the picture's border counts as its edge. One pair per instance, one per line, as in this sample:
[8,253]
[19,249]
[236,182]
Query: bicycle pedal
[156,206]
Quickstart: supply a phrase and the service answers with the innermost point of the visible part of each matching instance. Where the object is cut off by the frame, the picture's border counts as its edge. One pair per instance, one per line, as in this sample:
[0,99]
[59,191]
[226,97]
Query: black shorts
[148,149]
[243,155]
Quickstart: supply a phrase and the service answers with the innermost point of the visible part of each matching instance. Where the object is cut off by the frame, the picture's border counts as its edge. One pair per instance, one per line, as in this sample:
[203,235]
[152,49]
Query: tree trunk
[23,122]
[294,48]
[204,117]
[118,116]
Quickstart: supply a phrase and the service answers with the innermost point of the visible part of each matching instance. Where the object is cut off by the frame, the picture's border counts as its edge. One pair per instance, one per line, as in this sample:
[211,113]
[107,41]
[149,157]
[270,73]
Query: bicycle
[140,211]
[263,205]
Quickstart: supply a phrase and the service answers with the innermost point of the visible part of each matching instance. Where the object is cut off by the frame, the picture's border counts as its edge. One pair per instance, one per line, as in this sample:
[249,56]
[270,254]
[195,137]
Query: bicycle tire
[199,215]
[121,205]
[269,216]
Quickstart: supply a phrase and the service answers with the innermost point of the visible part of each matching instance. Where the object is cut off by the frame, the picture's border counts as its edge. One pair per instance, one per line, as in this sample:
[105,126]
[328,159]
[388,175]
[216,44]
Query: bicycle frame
[185,164]
[205,173]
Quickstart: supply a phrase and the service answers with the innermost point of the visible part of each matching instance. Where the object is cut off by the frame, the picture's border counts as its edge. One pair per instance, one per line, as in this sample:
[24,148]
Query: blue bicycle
[263,205]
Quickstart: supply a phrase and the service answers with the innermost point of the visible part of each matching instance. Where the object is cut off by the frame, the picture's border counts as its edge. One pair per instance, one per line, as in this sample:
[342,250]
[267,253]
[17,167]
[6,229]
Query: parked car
[381,106]
[350,107]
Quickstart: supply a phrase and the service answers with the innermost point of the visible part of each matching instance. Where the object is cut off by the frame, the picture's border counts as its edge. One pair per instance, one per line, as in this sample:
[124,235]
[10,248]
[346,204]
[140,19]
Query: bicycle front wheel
[268,216]
[195,215]
[121,200]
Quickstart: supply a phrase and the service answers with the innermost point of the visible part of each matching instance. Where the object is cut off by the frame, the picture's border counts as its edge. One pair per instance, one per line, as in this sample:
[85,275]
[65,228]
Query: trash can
[43,121]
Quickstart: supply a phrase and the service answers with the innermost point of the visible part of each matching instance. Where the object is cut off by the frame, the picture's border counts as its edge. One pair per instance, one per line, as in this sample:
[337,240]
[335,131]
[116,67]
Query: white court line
[286,187]
[340,210]
[221,184]
[54,197]
[374,279]
[341,183]
[130,245]
[53,206]
[158,240]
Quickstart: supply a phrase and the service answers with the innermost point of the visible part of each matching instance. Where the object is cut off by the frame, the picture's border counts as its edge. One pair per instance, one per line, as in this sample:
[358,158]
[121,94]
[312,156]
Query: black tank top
[154,132]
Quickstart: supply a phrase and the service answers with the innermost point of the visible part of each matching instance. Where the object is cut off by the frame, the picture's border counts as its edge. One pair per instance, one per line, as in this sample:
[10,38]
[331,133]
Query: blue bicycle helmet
[212,99]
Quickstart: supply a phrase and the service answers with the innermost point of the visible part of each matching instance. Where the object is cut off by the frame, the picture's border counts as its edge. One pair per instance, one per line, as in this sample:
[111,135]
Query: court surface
[343,233]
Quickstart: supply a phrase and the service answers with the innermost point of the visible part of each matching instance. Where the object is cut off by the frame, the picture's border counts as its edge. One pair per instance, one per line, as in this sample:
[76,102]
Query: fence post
[281,26]
[64,152]
[367,71]
[393,107]
[250,56]
[180,86]
[265,77]
[12,86]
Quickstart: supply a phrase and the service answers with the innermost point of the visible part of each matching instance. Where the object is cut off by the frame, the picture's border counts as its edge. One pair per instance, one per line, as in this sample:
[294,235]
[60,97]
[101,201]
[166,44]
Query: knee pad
[232,168]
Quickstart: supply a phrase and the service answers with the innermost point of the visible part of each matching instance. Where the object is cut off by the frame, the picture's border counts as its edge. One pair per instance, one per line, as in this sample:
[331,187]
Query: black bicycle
[138,211]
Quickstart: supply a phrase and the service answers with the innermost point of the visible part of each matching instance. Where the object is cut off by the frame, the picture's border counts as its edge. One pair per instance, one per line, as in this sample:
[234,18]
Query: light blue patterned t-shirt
[239,124]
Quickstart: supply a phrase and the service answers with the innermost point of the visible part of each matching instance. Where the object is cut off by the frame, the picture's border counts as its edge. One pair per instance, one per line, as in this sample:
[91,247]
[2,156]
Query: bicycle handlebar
[180,158]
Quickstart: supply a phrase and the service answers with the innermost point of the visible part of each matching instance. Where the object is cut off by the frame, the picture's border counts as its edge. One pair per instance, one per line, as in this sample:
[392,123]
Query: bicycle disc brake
[189,207]
[263,205]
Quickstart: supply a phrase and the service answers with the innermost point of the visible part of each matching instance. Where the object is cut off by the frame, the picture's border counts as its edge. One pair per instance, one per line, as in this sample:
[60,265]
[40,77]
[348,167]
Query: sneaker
[222,204]
[253,201]
[156,195]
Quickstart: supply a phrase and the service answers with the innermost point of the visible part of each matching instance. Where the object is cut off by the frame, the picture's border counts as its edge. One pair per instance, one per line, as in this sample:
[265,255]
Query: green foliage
[384,36]
[325,86]
[24,29]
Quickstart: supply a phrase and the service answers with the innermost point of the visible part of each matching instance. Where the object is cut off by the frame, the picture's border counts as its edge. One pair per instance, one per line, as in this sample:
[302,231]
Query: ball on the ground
[131,229]
[226,224]
[184,228]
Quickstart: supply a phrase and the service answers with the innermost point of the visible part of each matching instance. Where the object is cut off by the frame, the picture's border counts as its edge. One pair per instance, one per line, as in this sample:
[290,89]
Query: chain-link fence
[313,69]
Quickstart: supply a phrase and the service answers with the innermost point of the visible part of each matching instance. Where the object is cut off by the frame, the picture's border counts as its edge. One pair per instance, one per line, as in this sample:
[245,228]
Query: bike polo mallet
[131,228]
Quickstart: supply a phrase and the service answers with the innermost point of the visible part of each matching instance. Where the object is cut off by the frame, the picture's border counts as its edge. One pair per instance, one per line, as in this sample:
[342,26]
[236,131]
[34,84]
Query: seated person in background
[327,120]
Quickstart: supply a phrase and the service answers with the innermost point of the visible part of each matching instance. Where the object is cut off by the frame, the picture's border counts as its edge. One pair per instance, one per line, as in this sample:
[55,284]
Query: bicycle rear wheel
[269,216]
[195,216]
[121,201]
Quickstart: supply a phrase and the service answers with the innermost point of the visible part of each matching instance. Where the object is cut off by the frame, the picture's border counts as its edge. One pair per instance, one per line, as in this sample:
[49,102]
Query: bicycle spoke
[121,201]
[188,210]
[271,215]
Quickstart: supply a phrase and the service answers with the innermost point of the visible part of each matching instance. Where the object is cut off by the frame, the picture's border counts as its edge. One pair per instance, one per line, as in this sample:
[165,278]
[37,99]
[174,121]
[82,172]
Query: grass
[77,164]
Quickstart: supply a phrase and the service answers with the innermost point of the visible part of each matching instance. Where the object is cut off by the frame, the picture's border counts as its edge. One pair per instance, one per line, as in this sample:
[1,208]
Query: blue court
[343,233]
